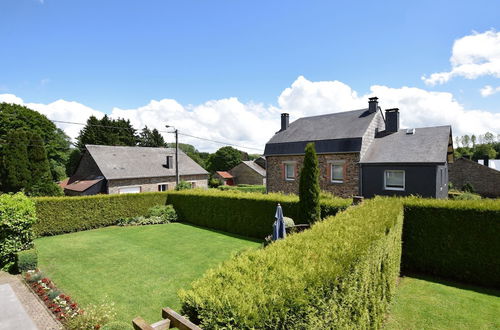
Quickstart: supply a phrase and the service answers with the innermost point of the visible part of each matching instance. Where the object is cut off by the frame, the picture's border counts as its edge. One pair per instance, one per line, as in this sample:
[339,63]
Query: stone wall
[377,124]
[245,175]
[87,166]
[485,180]
[151,184]
[276,181]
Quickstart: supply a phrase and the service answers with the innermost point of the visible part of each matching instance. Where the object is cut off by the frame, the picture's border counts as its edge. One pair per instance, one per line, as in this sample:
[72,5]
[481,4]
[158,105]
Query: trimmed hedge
[57,215]
[339,274]
[453,239]
[247,214]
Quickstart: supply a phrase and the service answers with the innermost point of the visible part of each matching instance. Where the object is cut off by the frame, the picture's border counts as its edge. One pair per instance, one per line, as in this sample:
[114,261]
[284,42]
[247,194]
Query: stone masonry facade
[485,180]
[276,181]
[151,184]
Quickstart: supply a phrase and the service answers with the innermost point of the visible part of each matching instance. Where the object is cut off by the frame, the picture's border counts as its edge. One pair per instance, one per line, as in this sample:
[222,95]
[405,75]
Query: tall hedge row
[247,214]
[453,239]
[57,215]
[339,274]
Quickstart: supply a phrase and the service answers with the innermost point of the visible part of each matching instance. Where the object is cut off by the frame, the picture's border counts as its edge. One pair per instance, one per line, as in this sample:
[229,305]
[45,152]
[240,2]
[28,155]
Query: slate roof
[256,167]
[340,125]
[140,162]
[427,145]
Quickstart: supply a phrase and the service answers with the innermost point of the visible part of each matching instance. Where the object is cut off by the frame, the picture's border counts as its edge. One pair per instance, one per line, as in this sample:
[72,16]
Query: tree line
[474,147]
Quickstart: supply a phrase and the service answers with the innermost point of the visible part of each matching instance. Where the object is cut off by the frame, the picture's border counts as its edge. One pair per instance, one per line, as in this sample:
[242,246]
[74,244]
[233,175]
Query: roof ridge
[332,114]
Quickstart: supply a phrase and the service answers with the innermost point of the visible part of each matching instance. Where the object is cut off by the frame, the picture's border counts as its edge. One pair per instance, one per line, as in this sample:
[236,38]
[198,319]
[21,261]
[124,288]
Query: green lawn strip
[431,304]
[139,269]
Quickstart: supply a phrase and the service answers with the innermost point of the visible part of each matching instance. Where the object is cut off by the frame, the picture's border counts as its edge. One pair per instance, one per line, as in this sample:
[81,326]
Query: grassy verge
[430,304]
[140,269]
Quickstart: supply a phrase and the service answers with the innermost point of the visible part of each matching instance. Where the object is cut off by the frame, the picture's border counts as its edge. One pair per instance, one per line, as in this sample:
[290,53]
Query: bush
[309,192]
[17,216]
[288,222]
[453,239]
[247,214]
[467,187]
[214,182]
[57,215]
[94,317]
[183,185]
[27,260]
[466,196]
[245,188]
[166,212]
[339,274]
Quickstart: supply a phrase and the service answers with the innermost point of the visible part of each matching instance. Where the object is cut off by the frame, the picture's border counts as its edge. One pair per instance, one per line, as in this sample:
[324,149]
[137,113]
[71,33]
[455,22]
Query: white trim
[129,187]
[294,164]
[162,184]
[394,188]
[337,163]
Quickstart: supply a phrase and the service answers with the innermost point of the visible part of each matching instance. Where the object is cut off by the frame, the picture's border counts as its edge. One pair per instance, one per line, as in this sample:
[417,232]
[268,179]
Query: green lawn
[431,304]
[140,268]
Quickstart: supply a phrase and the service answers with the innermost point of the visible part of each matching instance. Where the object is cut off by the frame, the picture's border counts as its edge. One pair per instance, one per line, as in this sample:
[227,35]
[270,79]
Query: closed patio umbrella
[279,224]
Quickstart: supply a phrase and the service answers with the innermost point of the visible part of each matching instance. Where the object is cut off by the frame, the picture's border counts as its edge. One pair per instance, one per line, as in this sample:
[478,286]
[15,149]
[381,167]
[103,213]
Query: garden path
[22,310]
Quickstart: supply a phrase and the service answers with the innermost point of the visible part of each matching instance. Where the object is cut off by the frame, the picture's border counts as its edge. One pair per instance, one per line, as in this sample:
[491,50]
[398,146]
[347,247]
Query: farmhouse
[120,170]
[250,172]
[362,152]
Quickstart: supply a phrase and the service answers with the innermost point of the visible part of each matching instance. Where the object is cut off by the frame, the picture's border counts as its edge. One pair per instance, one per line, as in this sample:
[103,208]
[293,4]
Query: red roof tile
[225,175]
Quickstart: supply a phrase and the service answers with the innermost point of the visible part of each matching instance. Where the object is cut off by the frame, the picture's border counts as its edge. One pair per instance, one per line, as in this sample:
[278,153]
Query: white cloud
[251,125]
[472,56]
[488,90]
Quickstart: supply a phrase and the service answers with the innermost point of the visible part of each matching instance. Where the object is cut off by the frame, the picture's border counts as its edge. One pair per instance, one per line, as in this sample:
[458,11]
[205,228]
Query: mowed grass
[430,304]
[139,269]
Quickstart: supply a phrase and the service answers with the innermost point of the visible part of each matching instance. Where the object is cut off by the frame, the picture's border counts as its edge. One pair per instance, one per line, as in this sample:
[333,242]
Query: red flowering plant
[58,303]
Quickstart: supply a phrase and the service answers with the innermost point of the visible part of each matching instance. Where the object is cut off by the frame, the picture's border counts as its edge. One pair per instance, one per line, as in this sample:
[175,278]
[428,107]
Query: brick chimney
[392,120]
[285,121]
[373,104]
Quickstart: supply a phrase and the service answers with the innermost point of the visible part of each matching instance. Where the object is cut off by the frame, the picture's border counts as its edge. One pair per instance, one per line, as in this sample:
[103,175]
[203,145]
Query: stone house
[362,152]
[249,172]
[120,170]
[484,180]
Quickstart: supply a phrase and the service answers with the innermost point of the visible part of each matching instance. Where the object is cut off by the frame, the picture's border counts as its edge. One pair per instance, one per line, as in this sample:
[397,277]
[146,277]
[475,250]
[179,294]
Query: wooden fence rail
[170,320]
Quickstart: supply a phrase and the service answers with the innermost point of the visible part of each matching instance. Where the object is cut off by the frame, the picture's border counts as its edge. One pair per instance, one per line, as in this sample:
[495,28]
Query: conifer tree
[309,208]
[16,170]
[38,162]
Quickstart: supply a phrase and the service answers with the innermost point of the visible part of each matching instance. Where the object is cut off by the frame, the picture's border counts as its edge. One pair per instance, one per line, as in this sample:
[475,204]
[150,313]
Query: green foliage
[166,212]
[151,138]
[453,239]
[224,159]
[94,317]
[245,188]
[193,153]
[467,196]
[27,260]
[38,162]
[141,221]
[183,185]
[309,209]
[106,131]
[46,189]
[247,214]
[288,222]
[73,161]
[339,274]
[56,142]
[59,215]
[17,216]
[214,182]
[484,151]
[467,187]
[16,173]
[116,325]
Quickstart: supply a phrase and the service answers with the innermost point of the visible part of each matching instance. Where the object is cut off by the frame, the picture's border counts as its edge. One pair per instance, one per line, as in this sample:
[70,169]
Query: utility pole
[176,132]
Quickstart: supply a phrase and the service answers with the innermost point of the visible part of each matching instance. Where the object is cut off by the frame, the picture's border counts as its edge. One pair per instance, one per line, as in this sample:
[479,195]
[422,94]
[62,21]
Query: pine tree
[38,162]
[309,209]
[151,138]
[16,171]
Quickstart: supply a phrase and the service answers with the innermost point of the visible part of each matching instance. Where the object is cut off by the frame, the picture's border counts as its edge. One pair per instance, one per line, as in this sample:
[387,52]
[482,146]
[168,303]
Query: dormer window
[170,162]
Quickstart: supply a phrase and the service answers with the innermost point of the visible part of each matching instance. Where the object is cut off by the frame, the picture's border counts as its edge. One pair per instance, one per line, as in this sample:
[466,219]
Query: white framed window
[129,190]
[162,187]
[289,171]
[337,172]
[394,180]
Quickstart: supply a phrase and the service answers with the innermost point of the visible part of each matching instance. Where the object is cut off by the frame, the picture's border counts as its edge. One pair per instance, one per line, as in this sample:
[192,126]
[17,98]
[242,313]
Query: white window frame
[163,184]
[340,163]
[128,187]
[293,164]
[395,188]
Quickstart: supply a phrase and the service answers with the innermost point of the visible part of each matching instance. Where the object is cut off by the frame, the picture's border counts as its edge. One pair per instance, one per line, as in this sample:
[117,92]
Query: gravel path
[33,306]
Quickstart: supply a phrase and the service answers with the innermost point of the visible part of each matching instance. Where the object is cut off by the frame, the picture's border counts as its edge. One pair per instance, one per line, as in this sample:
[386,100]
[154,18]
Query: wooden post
[178,321]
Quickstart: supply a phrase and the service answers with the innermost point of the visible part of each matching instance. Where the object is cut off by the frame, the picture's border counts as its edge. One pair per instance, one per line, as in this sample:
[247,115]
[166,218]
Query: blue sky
[107,54]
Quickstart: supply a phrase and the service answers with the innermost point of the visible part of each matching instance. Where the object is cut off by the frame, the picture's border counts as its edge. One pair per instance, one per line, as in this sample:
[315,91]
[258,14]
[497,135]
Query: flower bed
[61,305]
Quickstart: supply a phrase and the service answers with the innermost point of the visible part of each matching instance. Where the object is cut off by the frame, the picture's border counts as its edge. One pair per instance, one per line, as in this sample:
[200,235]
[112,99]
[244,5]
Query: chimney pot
[373,104]
[285,121]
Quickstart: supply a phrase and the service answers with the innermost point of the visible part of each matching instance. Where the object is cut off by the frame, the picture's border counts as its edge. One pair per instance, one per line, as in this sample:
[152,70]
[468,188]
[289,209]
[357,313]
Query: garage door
[129,190]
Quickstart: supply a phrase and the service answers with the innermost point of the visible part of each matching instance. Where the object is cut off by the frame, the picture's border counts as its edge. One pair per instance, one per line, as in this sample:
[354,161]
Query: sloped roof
[82,185]
[118,162]
[254,166]
[340,125]
[224,174]
[426,145]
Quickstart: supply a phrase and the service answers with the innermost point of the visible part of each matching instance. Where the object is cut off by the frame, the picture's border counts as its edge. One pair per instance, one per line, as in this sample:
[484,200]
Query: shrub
[245,188]
[17,216]
[309,209]
[214,182]
[142,221]
[339,274]
[183,185]
[27,260]
[247,214]
[166,212]
[466,196]
[288,222]
[94,317]
[58,215]
[467,187]
[453,239]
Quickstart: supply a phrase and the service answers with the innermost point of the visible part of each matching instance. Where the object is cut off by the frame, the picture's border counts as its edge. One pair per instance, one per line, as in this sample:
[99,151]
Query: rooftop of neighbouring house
[224,174]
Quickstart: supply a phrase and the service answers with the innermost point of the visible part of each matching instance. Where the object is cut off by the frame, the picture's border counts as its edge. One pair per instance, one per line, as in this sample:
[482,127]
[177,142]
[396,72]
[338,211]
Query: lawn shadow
[225,233]
[455,284]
